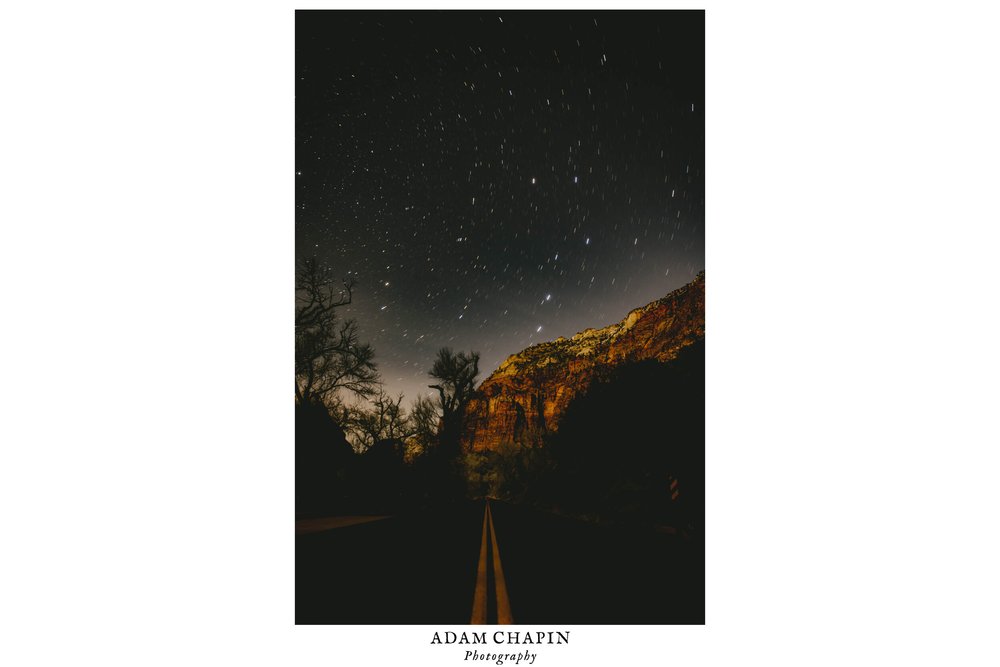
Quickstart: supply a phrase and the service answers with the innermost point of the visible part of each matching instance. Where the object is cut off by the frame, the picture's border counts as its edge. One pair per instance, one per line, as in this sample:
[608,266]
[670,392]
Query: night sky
[498,179]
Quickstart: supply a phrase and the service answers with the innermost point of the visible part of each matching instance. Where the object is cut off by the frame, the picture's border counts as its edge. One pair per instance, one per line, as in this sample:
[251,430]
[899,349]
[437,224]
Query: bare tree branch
[329,356]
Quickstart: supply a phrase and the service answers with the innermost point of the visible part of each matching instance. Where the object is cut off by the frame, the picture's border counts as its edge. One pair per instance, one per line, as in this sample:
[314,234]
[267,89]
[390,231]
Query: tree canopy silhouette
[426,419]
[329,355]
[456,375]
[384,420]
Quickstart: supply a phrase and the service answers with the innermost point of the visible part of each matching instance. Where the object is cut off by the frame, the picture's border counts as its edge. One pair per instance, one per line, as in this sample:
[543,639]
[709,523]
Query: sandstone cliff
[526,396]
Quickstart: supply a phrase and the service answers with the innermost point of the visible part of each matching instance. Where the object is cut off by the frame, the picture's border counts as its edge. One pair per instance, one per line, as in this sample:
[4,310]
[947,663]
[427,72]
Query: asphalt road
[538,569]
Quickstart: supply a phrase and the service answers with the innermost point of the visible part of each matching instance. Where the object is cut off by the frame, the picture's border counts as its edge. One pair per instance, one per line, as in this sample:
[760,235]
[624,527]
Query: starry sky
[497,179]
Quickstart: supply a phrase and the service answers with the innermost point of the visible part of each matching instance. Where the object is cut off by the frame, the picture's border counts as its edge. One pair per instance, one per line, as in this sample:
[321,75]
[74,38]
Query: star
[429,201]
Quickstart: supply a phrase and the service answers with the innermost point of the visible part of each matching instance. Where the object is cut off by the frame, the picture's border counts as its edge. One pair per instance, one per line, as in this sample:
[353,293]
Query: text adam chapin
[501,637]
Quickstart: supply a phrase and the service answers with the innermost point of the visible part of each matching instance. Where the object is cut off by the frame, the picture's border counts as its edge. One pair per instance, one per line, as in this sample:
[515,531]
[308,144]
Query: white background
[146,480]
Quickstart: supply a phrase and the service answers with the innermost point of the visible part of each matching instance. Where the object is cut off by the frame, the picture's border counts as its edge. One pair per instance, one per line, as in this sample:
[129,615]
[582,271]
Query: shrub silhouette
[634,444]
[323,461]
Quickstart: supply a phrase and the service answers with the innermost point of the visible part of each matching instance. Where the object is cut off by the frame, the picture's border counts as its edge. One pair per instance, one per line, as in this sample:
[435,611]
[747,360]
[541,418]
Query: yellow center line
[479,599]
[503,601]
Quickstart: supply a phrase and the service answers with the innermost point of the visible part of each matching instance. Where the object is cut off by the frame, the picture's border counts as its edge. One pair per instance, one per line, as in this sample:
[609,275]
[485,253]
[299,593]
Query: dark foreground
[422,569]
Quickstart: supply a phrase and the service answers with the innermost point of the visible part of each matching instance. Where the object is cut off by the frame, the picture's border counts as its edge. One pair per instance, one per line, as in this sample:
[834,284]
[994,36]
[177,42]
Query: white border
[146,252]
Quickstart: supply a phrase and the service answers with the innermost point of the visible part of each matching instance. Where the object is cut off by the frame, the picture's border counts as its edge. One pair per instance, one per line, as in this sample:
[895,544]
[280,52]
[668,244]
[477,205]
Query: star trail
[492,180]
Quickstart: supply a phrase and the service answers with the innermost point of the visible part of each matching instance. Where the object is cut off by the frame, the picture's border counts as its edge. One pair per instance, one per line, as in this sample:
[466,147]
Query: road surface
[491,562]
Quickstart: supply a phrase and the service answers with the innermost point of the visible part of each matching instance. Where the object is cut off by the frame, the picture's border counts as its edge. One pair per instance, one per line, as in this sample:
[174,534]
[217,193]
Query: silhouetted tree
[426,419]
[437,425]
[328,353]
[456,375]
[383,419]
[329,357]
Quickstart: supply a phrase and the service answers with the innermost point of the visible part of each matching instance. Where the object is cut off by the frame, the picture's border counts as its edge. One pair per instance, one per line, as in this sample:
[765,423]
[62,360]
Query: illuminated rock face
[526,396]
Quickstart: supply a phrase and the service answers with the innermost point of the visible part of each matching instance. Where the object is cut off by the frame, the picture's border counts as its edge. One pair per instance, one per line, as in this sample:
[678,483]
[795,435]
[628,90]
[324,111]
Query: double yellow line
[479,600]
